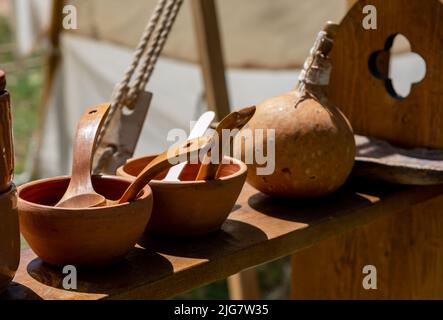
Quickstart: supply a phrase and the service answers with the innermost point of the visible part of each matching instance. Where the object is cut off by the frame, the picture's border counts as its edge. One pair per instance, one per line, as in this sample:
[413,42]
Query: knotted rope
[145,57]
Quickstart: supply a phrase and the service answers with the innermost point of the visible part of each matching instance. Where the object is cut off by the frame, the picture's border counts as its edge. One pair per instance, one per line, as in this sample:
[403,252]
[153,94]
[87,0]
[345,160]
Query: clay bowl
[9,237]
[188,207]
[84,238]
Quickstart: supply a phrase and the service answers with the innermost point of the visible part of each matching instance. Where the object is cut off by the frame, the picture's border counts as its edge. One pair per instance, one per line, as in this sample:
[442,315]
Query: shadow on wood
[140,263]
[231,238]
[229,251]
[17,291]
[314,210]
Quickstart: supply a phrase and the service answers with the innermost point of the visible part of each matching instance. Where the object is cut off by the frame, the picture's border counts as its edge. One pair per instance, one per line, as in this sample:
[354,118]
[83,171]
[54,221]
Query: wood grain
[122,136]
[244,286]
[80,192]
[52,62]
[415,121]
[162,162]
[259,229]
[6,143]
[233,121]
[405,247]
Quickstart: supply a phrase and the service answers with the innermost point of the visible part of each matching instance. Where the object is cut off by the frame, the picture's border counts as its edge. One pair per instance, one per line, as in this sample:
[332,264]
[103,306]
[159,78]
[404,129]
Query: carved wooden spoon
[80,192]
[235,120]
[166,160]
[199,130]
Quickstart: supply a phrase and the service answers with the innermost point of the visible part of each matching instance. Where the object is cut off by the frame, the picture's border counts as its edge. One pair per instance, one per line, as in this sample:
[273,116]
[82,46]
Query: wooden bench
[259,230]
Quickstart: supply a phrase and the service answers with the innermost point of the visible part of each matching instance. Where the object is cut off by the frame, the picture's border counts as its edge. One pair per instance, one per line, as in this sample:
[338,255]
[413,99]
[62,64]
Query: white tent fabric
[32,18]
[255,33]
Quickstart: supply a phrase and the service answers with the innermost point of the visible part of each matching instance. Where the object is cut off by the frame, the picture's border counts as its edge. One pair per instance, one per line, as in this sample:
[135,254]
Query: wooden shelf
[259,230]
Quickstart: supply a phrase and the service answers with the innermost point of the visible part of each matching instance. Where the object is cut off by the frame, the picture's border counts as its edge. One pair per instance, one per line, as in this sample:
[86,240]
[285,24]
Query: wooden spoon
[80,192]
[235,120]
[166,160]
[199,130]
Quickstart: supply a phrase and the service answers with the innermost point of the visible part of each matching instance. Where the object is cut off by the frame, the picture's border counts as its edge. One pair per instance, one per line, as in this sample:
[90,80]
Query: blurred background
[264,46]
[25,82]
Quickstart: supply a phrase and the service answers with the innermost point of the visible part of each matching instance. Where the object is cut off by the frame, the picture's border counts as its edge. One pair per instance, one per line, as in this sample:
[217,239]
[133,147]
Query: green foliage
[25,93]
[24,86]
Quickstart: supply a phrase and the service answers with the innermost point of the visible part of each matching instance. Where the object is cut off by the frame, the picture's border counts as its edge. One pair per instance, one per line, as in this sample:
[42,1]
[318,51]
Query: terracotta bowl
[188,207]
[9,237]
[85,238]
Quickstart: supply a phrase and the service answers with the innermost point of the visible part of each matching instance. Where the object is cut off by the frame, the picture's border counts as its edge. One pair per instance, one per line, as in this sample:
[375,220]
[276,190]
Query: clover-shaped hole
[397,66]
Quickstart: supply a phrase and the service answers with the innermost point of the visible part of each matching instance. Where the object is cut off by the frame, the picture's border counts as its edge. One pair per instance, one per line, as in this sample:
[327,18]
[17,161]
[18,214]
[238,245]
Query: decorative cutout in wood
[414,121]
[386,66]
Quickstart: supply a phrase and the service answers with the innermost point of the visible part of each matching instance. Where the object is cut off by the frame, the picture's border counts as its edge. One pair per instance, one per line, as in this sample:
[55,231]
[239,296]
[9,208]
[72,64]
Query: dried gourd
[314,142]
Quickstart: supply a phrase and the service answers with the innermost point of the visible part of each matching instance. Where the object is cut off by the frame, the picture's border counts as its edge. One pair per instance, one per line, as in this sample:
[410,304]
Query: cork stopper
[331,29]
[326,37]
[317,67]
[2,81]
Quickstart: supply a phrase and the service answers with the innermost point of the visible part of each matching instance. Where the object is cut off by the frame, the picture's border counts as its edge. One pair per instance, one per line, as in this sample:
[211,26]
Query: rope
[166,12]
[154,50]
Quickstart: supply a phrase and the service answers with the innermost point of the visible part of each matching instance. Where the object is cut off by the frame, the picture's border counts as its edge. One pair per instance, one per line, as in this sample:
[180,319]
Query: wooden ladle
[235,120]
[80,192]
[164,161]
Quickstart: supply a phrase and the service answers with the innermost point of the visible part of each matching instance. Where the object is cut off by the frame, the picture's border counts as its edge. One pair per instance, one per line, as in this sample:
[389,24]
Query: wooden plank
[244,286]
[51,64]
[260,229]
[213,72]
[211,56]
[405,248]
[415,121]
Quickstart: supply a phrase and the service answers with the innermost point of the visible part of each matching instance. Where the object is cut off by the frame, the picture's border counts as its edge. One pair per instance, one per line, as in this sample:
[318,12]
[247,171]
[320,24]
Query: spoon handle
[83,150]
[166,160]
[199,130]
[233,121]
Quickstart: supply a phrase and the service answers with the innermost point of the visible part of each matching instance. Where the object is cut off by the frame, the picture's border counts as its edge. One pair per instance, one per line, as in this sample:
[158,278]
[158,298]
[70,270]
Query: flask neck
[317,68]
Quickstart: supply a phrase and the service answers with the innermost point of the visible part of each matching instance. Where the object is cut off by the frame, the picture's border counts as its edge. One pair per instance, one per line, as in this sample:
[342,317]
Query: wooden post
[211,56]
[242,285]
[50,67]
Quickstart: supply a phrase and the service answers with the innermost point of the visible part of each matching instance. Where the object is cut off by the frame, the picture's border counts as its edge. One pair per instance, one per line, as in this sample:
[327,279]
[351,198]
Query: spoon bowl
[80,192]
[85,200]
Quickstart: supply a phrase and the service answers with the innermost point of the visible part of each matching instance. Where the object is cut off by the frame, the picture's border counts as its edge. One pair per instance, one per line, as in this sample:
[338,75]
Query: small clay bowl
[84,238]
[9,237]
[188,207]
